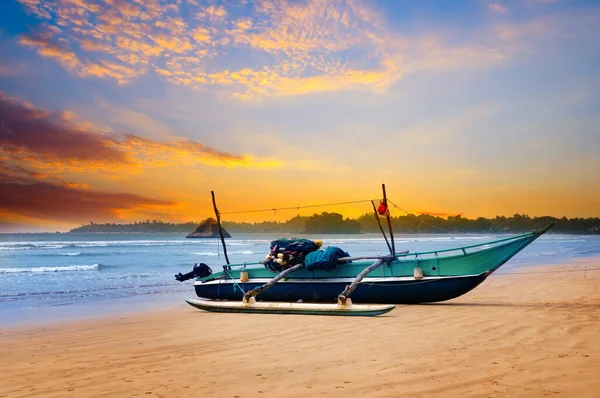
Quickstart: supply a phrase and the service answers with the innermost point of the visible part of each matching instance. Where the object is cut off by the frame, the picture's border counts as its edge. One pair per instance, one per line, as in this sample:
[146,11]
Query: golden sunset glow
[116,111]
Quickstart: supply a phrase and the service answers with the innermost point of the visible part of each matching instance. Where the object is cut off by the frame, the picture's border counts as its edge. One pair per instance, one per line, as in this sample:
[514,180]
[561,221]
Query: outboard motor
[200,271]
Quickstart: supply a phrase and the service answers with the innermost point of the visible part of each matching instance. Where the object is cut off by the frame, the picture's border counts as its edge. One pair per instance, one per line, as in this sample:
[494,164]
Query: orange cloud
[48,48]
[69,202]
[178,152]
[53,142]
[27,130]
[297,47]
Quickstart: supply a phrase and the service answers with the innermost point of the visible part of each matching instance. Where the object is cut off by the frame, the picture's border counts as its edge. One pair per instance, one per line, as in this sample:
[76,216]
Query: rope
[295,207]
[234,282]
[422,221]
[332,204]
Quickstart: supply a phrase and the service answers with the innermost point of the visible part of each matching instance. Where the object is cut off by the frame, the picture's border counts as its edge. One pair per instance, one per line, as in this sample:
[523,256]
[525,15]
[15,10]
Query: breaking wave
[203,253]
[244,252]
[70,268]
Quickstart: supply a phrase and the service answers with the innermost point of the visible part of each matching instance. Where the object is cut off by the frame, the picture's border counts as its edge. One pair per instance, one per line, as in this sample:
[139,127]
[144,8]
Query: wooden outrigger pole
[219,224]
[255,292]
[343,296]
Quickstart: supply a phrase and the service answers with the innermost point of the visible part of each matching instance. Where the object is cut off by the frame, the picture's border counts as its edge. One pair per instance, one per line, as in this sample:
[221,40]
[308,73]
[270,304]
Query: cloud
[497,8]
[54,141]
[291,48]
[548,28]
[532,2]
[66,202]
[25,130]
[44,42]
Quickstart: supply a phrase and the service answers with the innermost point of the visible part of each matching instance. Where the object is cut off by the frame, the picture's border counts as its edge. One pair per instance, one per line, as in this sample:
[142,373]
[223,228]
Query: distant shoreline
[334,223]
[289,233]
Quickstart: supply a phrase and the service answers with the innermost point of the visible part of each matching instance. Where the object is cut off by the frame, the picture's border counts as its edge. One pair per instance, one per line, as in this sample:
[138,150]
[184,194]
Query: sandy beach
[529,333]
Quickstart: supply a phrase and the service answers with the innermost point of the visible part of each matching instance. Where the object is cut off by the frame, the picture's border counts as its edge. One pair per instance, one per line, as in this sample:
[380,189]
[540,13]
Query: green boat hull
[447,274]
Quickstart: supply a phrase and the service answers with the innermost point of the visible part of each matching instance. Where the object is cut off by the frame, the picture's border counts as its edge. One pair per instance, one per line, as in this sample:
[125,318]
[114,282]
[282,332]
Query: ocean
[55,277]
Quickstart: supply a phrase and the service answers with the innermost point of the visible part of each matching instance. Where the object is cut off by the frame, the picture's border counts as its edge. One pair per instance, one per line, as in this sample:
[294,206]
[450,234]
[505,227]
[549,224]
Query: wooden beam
[217,214]
[388,220]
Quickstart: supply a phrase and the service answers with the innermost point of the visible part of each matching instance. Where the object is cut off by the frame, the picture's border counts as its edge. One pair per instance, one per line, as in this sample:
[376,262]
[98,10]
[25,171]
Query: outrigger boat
[394,278]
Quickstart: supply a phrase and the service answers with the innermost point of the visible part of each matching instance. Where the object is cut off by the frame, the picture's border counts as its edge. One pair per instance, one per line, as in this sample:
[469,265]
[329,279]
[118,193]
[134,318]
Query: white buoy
[418,273]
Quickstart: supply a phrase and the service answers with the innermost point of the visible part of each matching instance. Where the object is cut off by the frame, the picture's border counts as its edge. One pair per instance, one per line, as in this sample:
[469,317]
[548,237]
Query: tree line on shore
[336,223]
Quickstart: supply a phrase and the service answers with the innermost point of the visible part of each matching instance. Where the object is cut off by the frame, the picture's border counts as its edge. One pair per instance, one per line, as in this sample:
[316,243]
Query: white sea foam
[92,267]
[202,253]
[68,254]
[245,252]
[31,245]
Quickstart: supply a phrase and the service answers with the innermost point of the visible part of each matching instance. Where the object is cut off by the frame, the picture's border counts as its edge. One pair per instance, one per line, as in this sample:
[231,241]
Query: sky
[127,110]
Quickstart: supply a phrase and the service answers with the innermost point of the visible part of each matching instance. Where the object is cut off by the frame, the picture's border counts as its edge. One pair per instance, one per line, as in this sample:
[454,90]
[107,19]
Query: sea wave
[86,244]
[203,253]
[245,252]
[31,246]
[71,254]
[92,267]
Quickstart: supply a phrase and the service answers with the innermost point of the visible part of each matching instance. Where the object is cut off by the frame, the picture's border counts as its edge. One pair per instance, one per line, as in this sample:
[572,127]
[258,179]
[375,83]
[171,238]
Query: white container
[418,273]
[244,276]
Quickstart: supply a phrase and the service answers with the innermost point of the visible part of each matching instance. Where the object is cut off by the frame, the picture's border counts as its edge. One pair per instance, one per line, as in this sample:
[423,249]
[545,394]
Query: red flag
[383,209]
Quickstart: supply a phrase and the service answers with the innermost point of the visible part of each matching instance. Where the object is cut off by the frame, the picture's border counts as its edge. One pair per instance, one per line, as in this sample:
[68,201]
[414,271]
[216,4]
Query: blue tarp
[324,259]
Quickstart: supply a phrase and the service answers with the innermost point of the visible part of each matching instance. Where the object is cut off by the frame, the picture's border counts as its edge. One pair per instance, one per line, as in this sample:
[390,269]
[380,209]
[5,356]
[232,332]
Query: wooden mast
[388,220]
[219,224]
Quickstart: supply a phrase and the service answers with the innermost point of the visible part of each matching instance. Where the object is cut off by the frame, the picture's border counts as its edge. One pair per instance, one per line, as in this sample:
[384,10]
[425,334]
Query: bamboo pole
[219,224]
[388,220]
[282,274]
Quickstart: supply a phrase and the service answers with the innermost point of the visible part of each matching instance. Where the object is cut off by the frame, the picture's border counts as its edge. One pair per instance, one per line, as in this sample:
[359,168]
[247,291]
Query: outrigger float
[291,281]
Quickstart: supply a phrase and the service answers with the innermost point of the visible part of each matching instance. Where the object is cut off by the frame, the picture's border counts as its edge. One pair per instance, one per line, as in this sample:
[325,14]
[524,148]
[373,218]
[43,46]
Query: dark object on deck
[286,253]
[200,271]
[208,229]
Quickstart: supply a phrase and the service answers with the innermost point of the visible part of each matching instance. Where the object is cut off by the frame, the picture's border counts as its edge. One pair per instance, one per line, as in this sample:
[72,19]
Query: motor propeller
[199,271]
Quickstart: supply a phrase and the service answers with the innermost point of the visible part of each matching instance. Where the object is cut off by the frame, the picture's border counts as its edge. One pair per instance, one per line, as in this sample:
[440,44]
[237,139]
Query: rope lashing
[422,221]
[235,284]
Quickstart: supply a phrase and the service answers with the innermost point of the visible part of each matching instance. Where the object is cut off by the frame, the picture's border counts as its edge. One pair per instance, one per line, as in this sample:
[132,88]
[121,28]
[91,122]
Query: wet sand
[527,334]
